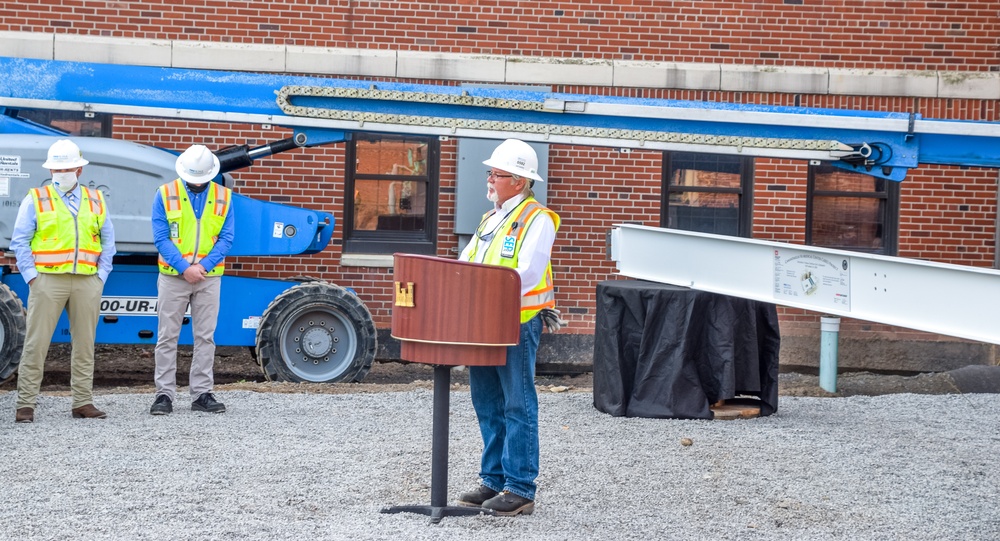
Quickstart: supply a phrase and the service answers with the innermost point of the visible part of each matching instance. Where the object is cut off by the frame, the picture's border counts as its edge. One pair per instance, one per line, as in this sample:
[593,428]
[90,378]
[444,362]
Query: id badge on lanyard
[507,250]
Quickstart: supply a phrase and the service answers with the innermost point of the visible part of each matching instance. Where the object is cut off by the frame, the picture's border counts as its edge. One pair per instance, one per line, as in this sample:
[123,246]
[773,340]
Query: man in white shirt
[518,233]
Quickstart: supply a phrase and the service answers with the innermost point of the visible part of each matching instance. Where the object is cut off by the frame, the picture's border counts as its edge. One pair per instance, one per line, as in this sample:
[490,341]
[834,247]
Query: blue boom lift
[316,331]
[307,331]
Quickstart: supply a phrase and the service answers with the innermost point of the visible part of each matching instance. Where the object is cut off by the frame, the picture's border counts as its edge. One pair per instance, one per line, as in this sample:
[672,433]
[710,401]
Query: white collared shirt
[536,245]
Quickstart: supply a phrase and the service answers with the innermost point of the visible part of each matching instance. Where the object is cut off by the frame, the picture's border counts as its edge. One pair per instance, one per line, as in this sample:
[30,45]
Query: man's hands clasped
[195,273]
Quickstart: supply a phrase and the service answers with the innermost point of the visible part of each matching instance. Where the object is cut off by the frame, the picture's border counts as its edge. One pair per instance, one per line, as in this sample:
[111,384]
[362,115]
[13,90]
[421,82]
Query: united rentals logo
[404,294]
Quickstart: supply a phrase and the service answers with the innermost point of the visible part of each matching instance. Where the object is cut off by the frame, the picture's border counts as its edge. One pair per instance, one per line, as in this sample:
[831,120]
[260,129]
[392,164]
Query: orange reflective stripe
[43,200]
[96,203]
[172,196]
[89,256]
[537,307]
[540,290]
[524,217]
[54,257]
[221,199]
[543,296]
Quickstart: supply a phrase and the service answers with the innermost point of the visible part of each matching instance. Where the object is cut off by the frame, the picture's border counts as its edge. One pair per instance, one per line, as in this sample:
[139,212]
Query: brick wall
[909,35]
[947,213]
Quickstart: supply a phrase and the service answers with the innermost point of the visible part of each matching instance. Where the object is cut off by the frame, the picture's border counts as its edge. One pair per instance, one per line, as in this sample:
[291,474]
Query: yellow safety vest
[542,295]
[194,238]
[63,243]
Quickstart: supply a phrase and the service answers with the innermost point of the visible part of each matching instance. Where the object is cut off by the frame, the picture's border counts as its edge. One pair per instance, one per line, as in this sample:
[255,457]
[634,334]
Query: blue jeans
[507,408]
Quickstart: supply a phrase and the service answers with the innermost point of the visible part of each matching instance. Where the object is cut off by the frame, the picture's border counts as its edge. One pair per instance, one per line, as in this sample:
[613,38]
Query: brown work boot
[507,504]
[24,415]
[476,496]
[88,412]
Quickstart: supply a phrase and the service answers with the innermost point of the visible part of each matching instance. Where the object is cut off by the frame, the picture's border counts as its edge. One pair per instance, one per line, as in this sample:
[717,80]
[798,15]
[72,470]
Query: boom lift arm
[324,110]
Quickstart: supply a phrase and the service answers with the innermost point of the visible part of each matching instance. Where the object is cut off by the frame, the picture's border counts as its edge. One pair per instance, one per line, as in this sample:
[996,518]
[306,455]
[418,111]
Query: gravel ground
[321,466]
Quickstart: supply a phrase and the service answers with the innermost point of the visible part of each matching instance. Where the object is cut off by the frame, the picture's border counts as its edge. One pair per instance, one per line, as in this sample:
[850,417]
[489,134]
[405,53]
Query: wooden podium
[451,313]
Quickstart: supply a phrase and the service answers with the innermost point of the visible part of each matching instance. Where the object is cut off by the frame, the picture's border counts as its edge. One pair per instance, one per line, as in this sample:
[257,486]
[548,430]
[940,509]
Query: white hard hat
[64,154]
[197,165]
[515,157]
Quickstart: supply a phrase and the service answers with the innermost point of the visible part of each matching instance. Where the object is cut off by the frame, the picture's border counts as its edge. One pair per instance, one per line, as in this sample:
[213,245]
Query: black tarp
[665,351]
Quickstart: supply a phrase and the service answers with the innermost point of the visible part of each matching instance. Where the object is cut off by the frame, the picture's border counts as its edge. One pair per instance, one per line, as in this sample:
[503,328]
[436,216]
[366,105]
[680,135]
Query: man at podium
[518,234]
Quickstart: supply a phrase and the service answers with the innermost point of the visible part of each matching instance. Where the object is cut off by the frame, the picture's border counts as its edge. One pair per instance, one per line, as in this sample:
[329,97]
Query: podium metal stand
[451,313]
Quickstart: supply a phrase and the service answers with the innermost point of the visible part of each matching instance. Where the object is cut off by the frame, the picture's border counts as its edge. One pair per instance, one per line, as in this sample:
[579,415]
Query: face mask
[197,188]
[64,182]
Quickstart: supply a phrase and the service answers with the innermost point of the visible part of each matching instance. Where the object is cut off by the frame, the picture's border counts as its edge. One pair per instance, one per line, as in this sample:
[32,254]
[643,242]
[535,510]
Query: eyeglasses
[492,174]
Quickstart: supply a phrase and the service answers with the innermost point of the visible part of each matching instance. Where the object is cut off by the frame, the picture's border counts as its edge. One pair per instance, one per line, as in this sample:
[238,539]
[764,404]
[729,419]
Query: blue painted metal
[281,229]
[982,151]
[128,307]
[248,97]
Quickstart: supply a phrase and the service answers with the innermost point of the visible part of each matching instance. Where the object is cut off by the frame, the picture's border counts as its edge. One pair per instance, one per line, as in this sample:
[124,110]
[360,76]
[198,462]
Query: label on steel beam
[815,279]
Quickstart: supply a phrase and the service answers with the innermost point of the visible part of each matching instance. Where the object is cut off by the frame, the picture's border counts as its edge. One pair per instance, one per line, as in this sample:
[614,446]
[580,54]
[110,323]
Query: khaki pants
[49,295]
[172,298]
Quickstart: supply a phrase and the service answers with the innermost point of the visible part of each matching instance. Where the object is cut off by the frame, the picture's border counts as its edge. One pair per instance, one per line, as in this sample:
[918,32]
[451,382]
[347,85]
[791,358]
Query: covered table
[666,351]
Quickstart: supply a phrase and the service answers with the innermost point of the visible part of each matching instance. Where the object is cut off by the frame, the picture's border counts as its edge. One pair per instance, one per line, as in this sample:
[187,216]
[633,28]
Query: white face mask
[64,182]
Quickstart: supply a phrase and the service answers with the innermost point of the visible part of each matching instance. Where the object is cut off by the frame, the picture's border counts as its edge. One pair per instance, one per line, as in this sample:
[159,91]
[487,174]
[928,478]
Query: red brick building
[938,59]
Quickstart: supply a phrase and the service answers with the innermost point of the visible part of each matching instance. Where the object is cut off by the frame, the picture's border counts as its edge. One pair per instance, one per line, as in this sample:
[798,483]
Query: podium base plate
[437,513]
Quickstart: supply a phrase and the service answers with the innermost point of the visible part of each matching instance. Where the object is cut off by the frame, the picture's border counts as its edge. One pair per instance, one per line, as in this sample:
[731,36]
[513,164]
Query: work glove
[551,319]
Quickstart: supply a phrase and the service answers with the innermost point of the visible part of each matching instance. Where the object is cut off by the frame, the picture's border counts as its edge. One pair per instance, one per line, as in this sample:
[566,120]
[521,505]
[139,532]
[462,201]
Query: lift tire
[316,332]
[12,330]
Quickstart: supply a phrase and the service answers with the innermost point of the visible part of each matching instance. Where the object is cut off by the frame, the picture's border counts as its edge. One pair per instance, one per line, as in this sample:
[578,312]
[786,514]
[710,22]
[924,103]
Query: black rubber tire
[316,332]
[12,330]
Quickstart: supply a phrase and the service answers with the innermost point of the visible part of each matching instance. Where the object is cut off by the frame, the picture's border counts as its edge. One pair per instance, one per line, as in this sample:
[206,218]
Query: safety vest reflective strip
[87,258]
[43,201]
[221,201]
[172,198]
[193,233]
[96,201]
[543,294]
[58,247]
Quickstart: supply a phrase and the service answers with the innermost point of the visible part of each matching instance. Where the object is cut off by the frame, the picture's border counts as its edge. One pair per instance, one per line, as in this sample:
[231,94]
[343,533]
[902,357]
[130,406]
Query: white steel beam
[935,297]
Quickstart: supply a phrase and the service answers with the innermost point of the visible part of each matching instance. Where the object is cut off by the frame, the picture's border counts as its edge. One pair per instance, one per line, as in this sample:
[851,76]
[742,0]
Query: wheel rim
[318,344]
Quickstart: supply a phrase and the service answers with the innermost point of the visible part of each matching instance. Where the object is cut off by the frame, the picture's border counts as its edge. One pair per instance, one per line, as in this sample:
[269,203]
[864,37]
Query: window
[72,122]
[392,185]
[708,193]
[851,211]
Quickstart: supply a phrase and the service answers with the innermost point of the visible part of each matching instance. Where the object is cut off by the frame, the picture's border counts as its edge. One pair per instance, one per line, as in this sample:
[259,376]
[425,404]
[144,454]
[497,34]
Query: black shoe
[162,405]
[207,403]
[476,497]
[506,504]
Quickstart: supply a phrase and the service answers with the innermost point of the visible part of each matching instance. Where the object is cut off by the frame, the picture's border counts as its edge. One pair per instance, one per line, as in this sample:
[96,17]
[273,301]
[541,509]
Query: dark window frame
[890,196]
[56,119]
[389,242]
[744,192]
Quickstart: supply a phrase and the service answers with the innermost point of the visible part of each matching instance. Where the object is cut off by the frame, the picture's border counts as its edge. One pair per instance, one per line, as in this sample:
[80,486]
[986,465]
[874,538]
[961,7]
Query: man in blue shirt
[193,231]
